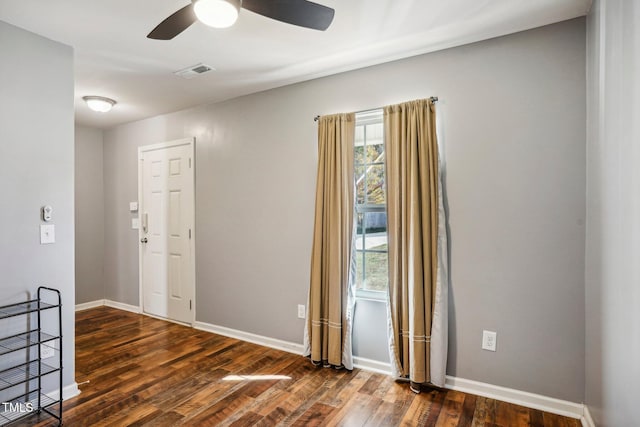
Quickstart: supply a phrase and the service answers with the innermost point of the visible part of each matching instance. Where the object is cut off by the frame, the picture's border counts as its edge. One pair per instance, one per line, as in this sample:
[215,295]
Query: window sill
[378,296]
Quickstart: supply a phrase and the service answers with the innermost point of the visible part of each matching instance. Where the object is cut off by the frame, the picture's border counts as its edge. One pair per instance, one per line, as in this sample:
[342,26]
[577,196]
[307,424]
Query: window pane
[376,271]
[375,185]
[375,222]
[359,270]
[359,177]
[376,241]
[359,135]
[375,133]
[371,257]
[359,235]
[374,152]
[358,152]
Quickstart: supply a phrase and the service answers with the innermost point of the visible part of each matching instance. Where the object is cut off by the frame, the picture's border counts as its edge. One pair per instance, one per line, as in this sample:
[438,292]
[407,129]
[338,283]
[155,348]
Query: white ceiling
[114,58]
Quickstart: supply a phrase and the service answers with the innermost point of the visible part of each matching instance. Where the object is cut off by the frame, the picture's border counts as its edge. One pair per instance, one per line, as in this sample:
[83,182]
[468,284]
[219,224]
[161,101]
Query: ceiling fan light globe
[217,13]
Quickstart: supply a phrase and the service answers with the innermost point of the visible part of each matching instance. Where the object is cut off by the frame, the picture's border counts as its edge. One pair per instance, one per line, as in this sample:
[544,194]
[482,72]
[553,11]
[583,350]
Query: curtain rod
[432,99]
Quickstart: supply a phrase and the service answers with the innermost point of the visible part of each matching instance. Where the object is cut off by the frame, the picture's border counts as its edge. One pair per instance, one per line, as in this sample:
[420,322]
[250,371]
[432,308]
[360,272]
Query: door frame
[192,242]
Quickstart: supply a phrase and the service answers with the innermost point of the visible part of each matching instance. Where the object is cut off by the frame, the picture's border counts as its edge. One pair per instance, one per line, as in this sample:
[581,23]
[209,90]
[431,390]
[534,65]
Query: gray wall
[613,214]
[36,149]
[512,114]
[89,211]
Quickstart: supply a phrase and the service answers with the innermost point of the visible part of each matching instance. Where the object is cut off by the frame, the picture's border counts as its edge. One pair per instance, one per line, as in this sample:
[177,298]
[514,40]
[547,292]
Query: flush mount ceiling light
[217,13]
[99,103]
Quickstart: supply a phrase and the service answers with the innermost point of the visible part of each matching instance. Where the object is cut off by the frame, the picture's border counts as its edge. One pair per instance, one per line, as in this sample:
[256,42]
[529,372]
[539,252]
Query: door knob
[144,240]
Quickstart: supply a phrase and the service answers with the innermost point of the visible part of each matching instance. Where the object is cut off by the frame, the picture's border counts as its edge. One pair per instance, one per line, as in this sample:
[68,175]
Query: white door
[166,196]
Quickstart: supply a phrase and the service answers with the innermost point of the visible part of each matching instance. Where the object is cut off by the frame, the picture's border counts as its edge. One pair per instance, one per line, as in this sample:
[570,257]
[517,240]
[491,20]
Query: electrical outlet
[47,350]
[301,314]
[489,340]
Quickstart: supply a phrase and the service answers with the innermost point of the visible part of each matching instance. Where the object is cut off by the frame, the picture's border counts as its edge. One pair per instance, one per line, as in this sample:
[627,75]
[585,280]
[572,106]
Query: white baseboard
[586,419]
[122,306]
[68,392]
[90,304]
[523,398]
[287,346]
[290,347]
[108,303]
[372,365]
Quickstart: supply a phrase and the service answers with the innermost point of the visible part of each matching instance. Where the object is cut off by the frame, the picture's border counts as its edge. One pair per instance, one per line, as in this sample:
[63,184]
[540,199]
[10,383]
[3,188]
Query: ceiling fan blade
[174,24]
[297,12]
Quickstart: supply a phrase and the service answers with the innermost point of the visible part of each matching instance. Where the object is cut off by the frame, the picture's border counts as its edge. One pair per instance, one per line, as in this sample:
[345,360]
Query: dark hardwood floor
[134,370]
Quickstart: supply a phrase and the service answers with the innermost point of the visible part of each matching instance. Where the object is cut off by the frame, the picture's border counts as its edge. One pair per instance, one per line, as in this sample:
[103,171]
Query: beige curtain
[414,206]
[328,331]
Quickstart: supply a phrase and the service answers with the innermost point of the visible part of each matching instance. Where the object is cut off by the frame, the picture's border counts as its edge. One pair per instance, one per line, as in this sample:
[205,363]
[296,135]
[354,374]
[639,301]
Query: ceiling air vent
[193,71]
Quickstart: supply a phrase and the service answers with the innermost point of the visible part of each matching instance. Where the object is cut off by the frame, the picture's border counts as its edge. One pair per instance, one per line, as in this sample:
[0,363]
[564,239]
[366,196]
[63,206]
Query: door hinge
[190,305]
[189,162]
[189,233]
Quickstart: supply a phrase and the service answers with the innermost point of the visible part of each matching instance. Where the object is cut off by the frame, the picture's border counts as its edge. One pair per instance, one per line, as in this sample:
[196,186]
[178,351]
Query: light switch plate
[47,234]
[133,206]
[135,223]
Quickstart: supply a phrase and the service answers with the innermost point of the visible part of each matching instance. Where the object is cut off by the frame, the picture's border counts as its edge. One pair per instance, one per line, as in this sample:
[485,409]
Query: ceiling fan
[223,13]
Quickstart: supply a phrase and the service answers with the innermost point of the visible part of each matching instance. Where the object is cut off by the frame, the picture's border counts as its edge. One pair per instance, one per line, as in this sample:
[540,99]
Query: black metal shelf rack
[22,369]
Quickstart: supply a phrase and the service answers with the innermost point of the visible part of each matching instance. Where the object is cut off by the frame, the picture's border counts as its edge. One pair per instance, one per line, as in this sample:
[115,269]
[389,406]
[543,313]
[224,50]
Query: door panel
[167,199]
[175,207]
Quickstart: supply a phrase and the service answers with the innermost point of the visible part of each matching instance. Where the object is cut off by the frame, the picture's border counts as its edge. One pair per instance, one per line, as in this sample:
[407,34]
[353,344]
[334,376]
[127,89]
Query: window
[372,260]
